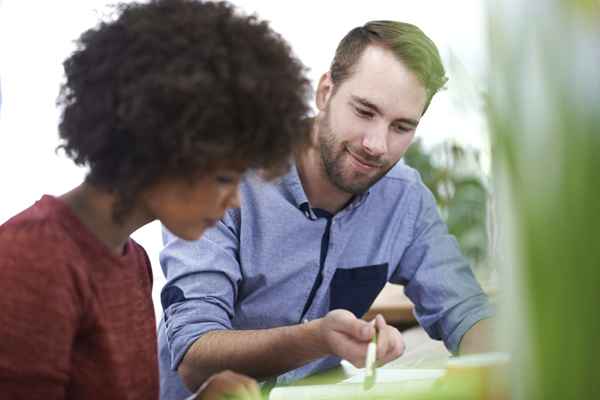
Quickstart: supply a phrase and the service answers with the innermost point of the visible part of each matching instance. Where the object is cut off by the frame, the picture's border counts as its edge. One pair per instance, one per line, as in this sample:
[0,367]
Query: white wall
[36,35]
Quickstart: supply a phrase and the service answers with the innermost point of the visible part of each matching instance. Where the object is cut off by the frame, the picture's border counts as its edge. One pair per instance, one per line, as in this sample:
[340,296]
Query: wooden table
[395,307]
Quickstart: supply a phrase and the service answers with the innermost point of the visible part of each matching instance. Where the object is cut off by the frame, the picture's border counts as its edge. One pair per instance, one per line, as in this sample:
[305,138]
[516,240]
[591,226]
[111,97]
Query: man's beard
[333,154]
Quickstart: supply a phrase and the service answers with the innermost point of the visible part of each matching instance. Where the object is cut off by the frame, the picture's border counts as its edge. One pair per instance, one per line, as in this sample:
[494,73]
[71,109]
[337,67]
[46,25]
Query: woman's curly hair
[173,88]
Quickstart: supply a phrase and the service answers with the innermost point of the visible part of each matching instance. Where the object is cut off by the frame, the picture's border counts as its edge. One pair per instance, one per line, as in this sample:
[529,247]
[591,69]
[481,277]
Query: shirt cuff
[185,323]
[453,339]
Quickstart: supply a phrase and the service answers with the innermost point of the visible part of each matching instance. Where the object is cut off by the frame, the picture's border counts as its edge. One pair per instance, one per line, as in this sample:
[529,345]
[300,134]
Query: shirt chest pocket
[355,289]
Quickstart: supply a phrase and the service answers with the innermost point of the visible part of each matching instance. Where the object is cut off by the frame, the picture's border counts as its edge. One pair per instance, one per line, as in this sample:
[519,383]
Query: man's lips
[362,162]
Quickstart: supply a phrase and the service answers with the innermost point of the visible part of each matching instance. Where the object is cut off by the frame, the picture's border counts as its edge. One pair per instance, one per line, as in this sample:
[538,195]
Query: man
[278,286]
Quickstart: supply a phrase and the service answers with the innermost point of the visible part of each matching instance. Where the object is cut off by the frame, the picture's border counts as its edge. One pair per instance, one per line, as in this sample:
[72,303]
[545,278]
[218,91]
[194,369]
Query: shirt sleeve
[202,285]
[438,279]
[40,312]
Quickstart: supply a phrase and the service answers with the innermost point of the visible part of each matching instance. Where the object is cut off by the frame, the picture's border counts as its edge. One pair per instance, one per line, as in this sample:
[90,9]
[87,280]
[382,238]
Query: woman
[167,105]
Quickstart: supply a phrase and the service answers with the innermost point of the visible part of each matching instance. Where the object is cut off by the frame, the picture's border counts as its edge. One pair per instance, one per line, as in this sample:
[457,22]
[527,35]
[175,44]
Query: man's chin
[355,186]
[360,183]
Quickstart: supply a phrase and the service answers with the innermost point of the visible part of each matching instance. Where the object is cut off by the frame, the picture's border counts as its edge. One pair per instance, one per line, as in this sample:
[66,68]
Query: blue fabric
[257,267]
[365,281]
[324,247]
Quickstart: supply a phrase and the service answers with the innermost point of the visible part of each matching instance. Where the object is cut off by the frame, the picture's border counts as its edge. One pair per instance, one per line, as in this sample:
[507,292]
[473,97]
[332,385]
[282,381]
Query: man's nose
[375,141]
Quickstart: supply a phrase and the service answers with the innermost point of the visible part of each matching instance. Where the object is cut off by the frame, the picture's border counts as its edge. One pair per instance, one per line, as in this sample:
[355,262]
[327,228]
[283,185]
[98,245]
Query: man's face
[367,124]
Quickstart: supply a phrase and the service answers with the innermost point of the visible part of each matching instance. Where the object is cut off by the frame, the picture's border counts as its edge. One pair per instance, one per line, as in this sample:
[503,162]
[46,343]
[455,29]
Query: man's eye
[363,113]
[401,128]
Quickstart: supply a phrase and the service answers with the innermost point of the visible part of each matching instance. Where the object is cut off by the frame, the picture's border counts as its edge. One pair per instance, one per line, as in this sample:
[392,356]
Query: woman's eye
[225,179]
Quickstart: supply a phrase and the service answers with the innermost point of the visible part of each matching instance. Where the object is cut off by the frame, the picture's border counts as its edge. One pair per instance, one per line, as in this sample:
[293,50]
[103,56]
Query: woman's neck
[95,209]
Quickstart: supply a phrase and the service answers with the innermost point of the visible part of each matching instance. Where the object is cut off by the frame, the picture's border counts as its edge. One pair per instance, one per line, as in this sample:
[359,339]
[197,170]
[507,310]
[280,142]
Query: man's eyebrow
[366,103]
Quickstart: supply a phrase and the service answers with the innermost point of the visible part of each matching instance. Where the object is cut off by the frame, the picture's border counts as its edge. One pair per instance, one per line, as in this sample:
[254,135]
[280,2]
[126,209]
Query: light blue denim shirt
[276,261]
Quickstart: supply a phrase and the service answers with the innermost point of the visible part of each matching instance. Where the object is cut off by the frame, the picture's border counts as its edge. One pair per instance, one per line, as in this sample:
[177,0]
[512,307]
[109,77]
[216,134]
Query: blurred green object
[545,120]
[454,176]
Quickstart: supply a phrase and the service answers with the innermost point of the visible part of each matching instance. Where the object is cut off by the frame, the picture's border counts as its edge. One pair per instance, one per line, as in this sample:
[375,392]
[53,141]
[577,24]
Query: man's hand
[390,343]
[347,337]
[229,385]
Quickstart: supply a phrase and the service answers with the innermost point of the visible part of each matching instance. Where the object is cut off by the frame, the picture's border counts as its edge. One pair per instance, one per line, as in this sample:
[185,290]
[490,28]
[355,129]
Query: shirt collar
[292,181]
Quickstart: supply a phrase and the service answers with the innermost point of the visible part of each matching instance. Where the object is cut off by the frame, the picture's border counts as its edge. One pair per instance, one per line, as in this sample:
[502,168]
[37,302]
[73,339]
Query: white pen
[371,363]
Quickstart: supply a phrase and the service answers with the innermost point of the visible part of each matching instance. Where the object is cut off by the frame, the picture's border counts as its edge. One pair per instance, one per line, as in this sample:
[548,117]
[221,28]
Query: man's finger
[357,329]
[380,322]
[383,344]
[393,346]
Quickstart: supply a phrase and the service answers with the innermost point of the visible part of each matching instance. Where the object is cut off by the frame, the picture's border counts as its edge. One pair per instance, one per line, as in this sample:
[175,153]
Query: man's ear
[324,91]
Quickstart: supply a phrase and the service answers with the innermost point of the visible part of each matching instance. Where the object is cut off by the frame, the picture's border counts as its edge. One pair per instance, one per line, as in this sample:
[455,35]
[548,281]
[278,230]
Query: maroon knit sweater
[76,321]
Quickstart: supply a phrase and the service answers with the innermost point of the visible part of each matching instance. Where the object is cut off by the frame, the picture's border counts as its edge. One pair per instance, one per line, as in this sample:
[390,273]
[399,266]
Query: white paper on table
[391,375]
[418,380]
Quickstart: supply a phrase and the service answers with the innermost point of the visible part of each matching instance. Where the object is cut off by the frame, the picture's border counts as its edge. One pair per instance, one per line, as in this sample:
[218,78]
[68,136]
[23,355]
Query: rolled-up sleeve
[202,284]
[438,279]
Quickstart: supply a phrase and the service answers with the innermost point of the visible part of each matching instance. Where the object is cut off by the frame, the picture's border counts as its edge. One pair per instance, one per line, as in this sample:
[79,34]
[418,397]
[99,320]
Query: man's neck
[95,209]
[321,193]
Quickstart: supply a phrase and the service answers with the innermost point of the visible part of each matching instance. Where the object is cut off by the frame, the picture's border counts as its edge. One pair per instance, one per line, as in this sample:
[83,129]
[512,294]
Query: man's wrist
[315,340]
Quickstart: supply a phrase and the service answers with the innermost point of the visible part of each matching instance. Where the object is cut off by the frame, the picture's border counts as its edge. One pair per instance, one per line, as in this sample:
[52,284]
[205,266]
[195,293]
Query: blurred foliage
[453,175]
[545,118]
[585,7]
